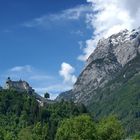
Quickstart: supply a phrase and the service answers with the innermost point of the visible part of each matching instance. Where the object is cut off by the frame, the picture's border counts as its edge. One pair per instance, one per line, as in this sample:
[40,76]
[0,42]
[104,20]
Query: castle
[23,86]
[20,86]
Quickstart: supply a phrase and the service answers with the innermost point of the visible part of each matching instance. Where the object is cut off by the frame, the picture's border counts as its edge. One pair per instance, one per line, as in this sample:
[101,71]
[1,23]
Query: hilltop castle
[20,86]
[23,86]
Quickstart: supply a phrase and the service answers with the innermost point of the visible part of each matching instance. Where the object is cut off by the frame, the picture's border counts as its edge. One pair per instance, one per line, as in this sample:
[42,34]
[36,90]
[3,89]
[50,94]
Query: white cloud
[40,81]
[28,73]
[87,50]
[40,77]
[109,17]
[26,68]
[66,15]
[67,73]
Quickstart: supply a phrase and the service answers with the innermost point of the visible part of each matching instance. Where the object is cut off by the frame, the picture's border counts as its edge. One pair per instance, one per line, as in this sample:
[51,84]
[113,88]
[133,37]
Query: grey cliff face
[123,45]
[109,57]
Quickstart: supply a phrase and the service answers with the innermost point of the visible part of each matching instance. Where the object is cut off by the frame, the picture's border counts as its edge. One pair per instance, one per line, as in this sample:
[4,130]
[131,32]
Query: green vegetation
[110,129]
[46,95]
[22,118]
[84,128]
[121,97]
[136,136]
[77,128]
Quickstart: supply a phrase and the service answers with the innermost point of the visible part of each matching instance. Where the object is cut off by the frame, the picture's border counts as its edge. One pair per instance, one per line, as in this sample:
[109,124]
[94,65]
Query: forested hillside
[21,115]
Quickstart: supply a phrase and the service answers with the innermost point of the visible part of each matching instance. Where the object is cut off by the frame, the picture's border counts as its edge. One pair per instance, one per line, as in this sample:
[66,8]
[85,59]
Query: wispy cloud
[27,72]
[41,77]
[66,15]
[26,68]
[7,31]
[40,80]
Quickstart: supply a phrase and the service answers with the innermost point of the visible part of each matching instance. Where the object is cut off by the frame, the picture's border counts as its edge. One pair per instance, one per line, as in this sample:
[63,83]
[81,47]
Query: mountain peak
[109,84]
[109,58]
[124,45]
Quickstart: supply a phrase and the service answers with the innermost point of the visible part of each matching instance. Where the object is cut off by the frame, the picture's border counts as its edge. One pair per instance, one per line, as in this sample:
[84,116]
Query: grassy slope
[121,97]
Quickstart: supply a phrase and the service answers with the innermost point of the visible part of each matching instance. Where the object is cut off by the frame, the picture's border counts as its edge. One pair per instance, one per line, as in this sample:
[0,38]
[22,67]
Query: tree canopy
[46,95]
[22,118]
[77,128]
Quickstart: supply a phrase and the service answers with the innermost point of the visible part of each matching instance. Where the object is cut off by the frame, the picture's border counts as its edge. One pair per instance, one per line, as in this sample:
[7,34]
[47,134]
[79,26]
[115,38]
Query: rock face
[108,59]
[20,86]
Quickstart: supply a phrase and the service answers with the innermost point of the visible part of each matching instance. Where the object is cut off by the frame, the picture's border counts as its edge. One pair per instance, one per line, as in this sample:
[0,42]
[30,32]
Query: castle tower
[8,81]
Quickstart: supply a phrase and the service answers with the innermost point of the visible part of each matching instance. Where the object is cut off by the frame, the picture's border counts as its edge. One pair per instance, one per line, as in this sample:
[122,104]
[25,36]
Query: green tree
[40,132]
[9,136]
[110,129]
[46,95]
[25,134]
[77,128]
[136,136]
[1,134]
[21,117]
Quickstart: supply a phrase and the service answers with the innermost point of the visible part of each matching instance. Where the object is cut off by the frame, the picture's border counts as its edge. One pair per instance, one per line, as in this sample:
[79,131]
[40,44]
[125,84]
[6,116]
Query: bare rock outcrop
[109,57]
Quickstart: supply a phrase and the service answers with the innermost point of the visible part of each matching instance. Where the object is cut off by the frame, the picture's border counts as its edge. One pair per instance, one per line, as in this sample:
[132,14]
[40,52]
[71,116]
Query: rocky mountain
[109,83]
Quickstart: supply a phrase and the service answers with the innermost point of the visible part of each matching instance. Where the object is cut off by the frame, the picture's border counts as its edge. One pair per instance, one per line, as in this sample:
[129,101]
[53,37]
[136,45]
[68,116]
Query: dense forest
[22,118]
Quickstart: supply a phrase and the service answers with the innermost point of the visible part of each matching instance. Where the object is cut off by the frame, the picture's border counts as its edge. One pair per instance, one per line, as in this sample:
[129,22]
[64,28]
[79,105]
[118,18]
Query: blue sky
[46,42]
[40,41]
